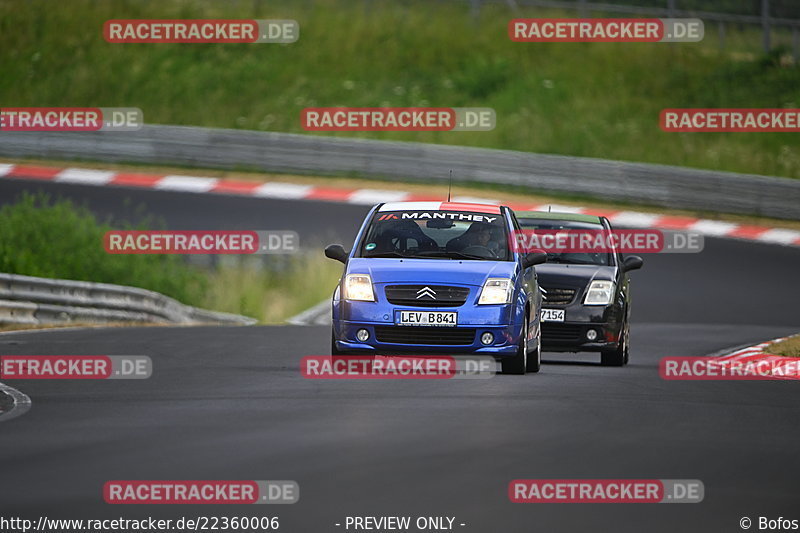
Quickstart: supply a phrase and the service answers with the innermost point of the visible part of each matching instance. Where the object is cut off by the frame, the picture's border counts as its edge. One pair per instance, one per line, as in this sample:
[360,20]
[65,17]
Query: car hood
[573,275]
[433,271]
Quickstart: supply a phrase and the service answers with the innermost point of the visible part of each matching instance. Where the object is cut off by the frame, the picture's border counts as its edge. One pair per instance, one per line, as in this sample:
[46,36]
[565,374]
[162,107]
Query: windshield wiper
[387,254]
[453,254]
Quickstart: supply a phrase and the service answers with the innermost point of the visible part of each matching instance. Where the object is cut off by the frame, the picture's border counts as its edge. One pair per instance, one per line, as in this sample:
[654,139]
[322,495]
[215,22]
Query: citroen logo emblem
[426,291]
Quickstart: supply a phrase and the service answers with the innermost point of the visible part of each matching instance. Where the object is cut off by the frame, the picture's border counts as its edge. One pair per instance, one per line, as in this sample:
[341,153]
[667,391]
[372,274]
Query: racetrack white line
[5,169]
[22,403]
[186,183]
[84,176]
[319,314]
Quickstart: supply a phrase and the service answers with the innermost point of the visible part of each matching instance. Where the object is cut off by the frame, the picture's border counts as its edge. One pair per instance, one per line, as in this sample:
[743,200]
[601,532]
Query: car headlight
[358,287]
[496,291]
[599,293]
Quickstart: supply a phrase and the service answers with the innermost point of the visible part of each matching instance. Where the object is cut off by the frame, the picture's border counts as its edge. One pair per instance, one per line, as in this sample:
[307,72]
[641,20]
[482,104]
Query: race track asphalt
[230,403]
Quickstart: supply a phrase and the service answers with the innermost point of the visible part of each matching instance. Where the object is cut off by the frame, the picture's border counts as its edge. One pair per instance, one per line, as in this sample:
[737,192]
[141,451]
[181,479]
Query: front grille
[425,335]
[558,295]
[426,295]
[560,332]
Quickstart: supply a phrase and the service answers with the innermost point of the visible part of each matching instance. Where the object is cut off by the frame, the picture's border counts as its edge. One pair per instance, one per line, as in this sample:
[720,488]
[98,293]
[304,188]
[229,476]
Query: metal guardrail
[31,300]
[667,186]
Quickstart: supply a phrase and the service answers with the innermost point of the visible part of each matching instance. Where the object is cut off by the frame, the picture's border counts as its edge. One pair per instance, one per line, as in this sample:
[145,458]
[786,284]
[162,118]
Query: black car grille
[436,296]
[558,295]
[425,335]
[560,332]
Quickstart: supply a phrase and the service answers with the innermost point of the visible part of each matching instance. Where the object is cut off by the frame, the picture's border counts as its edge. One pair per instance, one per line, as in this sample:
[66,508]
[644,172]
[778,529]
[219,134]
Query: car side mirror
[336,251]
[632,262]
[533,258]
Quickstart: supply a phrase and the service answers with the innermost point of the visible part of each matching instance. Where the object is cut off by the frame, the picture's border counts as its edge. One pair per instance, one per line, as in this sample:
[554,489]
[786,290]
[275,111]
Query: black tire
[620,356]
[535,358]
[516,363]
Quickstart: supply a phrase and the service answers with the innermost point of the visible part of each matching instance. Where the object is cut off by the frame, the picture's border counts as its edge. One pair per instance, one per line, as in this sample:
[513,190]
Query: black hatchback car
[586,296]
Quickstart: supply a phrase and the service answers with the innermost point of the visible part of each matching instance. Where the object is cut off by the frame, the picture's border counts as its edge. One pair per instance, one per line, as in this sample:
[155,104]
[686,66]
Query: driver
[478,234]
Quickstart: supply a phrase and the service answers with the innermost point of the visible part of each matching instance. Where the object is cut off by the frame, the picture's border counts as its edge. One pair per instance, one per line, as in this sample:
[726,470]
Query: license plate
[552,315]
[428,318]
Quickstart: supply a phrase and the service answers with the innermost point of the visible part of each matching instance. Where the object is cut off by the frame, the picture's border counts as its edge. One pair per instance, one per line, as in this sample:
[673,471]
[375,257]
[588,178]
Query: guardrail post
[583,9]
[475,10]
[671,8]
[721,26]
[765,25]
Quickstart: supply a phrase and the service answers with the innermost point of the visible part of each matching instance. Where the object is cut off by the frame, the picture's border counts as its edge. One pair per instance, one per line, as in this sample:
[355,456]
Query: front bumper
[379,318]
[506,339]
[504,322]
[570,335]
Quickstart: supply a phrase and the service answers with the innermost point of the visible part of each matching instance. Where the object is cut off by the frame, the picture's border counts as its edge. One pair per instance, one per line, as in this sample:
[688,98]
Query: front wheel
[620,356]
[535,359]
[517,363]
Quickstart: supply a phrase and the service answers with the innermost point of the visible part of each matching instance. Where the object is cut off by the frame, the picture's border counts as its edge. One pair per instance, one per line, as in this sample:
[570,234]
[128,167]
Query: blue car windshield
[437,235]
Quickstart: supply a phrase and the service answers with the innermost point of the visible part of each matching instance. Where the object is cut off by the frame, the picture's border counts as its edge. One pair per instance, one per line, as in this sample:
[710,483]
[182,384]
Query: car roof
[574,217]
[440,206]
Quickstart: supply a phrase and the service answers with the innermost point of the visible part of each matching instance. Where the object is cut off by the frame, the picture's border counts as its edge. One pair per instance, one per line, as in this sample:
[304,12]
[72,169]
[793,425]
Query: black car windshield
[437,235]
[570,258]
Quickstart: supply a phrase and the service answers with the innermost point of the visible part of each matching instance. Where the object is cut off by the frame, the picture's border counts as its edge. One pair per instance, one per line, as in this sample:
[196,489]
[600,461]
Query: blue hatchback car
[438,278]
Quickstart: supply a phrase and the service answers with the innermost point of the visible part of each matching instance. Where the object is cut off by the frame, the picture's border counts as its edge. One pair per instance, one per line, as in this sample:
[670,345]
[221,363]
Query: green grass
[584,99]
[789,347]
[273,295]
[57,239]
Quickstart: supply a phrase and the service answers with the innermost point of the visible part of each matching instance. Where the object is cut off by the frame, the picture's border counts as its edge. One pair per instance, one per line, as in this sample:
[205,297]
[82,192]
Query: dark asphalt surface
[318,222]
[229,403]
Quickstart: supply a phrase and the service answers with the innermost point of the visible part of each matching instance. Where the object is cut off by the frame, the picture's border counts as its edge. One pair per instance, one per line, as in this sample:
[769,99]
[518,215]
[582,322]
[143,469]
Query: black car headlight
[600,293]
